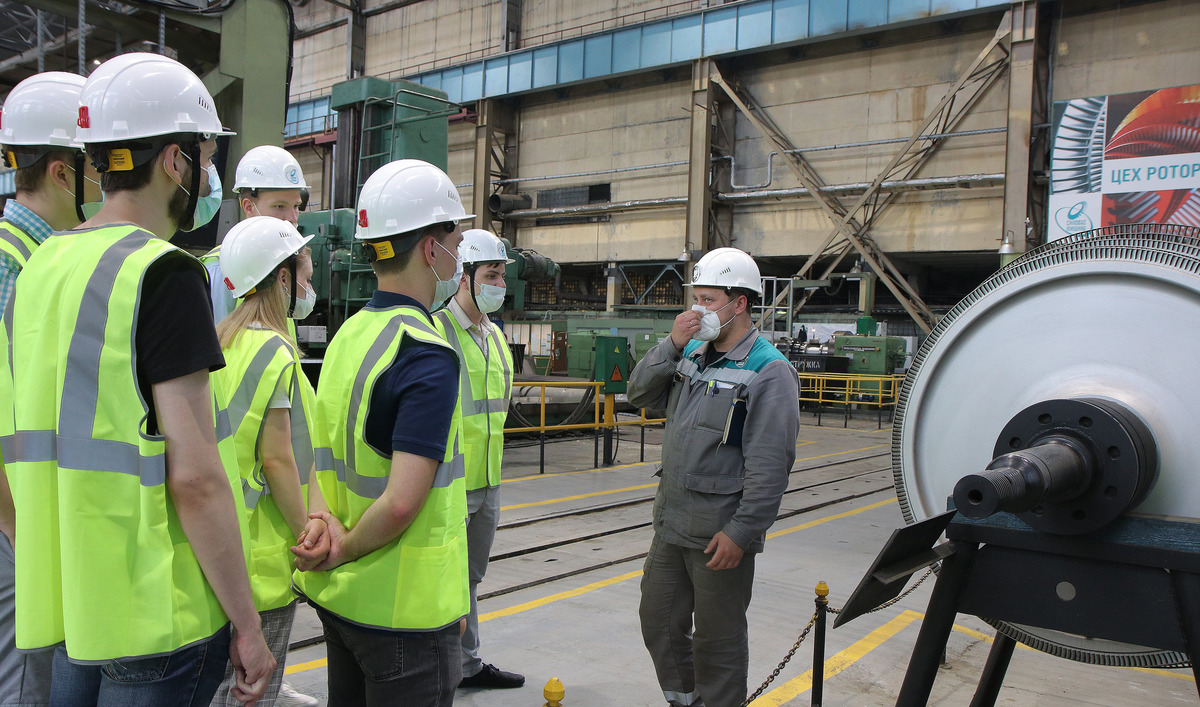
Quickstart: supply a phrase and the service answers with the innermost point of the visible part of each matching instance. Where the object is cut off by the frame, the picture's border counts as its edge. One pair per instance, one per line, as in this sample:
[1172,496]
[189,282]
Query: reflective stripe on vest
[16,243]
[255,364]
[81,439]
[418,581]
[485,370]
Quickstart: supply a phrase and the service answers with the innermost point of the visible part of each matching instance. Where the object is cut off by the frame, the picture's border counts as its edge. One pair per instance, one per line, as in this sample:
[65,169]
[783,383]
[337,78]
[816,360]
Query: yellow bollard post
[554,693]
[610,405]
[818,669]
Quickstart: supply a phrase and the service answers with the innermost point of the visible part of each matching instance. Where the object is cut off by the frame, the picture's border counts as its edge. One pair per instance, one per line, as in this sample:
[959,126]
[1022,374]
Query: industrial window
[574,196]
[309,117]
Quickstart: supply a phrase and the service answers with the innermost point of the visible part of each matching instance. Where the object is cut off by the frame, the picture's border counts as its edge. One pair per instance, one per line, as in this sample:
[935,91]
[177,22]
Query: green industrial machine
[389,120]
[400,120]
[526,266]
[872,355]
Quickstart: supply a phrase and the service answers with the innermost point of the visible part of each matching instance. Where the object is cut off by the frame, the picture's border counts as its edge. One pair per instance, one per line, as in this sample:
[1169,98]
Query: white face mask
[490,298]
[445,289]
[304,307]
[710,323]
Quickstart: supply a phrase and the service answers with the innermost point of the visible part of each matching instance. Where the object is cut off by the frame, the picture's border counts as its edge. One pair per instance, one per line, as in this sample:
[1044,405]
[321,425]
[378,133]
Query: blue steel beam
[749,26]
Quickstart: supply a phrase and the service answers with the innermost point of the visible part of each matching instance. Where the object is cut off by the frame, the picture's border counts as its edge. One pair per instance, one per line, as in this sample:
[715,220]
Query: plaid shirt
[33,226]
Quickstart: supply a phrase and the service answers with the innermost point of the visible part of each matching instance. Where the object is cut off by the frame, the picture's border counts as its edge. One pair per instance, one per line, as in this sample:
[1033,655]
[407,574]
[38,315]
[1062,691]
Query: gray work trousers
[277,631]
[483,514]
[708,667]
[24,675]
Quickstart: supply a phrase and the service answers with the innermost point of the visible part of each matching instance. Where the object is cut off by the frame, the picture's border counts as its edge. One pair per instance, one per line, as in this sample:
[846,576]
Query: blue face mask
[207,206]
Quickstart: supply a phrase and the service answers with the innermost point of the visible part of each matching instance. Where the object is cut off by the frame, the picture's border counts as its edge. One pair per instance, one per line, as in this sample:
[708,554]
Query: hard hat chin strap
[470,270]
[193,154]
[80,161]
[292,274]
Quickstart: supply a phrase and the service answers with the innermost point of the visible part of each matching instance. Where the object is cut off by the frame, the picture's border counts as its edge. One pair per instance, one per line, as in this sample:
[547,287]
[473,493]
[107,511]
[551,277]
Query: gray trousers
[24,675]
[483,514]
[277,630]
[708,667]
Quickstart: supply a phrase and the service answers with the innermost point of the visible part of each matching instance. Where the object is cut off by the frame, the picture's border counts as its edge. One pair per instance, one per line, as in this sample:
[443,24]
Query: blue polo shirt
[413,401]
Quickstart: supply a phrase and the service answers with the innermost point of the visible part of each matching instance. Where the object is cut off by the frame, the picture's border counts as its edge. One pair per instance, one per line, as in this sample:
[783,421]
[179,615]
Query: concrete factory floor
[571,611]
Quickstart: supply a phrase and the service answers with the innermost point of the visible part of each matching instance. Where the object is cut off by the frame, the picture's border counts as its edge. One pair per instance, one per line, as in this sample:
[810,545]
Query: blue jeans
[374,668]
[189,676]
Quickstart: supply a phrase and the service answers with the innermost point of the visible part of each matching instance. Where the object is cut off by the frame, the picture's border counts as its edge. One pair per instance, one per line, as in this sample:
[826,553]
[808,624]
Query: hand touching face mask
[710,323]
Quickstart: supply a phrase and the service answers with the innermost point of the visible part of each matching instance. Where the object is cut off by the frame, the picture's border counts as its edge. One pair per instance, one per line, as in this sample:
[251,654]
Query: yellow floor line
[517,609]
[814,523]
[310,665]
[844,659]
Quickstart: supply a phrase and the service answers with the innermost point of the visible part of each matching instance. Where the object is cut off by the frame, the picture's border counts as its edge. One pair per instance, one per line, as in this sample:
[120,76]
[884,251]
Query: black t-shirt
[710,356]
[175,331]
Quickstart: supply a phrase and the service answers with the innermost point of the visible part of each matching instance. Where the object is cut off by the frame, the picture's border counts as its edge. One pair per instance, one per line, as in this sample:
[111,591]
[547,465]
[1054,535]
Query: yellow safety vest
[102,560]
[19,246]
[417,582]
[254,365]
[485,387]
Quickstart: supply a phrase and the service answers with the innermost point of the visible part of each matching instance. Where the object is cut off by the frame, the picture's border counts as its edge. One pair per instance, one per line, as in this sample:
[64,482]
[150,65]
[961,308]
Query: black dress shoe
[491,676]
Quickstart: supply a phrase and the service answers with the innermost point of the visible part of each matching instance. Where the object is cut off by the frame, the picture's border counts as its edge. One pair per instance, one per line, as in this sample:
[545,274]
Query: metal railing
[842,391]
[603,418]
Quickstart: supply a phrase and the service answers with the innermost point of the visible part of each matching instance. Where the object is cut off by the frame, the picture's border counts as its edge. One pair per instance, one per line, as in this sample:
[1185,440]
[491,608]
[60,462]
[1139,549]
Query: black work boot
[491,676]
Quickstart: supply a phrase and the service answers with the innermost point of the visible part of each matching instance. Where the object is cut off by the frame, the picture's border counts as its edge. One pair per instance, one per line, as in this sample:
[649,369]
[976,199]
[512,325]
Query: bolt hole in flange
[1085,422]
[1045,418]
[1014,443]
[1065,591]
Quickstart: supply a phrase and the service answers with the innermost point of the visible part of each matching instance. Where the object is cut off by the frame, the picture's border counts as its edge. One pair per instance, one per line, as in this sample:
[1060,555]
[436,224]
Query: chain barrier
[812,622]
[784,662]
[890,602]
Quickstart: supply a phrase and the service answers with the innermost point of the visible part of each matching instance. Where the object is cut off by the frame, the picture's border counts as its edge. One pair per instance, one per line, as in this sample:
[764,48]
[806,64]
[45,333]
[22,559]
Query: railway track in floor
[523,559]
[626,524]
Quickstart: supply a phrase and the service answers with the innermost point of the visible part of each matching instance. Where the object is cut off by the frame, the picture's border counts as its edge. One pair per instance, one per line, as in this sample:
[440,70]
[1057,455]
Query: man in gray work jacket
[730,441]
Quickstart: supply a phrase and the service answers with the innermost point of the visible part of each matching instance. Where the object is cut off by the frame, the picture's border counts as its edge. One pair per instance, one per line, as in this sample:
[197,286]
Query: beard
[177,206]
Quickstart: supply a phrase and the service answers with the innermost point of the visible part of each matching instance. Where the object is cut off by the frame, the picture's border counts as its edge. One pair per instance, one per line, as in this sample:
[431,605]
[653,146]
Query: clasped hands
[319,546]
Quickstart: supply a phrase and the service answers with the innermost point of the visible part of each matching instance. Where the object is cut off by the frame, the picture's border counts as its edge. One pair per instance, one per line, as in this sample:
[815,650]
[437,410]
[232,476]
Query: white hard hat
[41,111]
[269,167]
[143,95]
[480,246]
[254,248]
[404,196]
[727,267]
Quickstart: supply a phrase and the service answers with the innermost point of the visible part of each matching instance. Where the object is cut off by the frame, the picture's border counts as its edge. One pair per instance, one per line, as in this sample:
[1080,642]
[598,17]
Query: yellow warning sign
[616,375]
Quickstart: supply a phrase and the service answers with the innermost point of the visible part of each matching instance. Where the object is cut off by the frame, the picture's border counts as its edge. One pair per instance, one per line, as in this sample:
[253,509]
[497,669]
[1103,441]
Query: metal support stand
[542,453]
[935,629]
[1002,569]
[818,669]
[993,671]
[642,453]
[1187,600]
